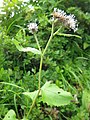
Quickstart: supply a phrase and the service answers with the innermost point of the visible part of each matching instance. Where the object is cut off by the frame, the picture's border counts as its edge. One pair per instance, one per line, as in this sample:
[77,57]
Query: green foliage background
[67,62]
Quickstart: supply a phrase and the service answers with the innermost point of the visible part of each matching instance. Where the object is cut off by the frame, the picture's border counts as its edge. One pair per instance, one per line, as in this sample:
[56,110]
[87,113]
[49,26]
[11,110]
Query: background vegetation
[67,62]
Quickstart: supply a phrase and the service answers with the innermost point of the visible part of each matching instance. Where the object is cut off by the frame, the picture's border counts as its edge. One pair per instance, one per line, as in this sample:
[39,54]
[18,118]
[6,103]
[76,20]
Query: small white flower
[33,27]
[25,0]
[67,20]
[71,22]
[1,3]
[31,7]
[35,0]
[12,14]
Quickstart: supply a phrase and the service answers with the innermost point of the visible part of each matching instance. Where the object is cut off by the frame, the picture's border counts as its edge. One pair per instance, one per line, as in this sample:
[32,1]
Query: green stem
[40,68]
[39,86]
[33,103]
[57,31]
[51,36]
[37,42]
[16,106]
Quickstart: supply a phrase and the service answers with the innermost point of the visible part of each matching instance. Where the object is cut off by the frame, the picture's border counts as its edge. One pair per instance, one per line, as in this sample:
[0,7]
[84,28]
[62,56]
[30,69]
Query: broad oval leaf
[31,95]
[10,115]
[54,96]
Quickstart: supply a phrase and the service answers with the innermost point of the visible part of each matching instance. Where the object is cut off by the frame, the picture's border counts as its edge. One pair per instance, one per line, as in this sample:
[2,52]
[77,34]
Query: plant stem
[16,106]
[57,31]
[51,36]
[37,42]
[39,86]
[40,68]
[33,103]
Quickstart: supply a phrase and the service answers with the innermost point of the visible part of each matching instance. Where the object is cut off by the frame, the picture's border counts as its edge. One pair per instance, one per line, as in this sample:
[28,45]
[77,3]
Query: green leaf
[14,85]
[53,95]
[27,49]
[86,100]
[10,115]
[68,35]
[85,45]
[31,95]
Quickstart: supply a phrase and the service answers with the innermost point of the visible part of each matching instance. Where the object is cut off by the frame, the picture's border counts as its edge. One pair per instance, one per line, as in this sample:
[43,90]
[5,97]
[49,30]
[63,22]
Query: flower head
[67,20]
[33,27]
[31,7]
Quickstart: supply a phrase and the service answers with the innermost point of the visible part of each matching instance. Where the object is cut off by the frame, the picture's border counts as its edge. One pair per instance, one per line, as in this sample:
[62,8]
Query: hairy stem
[51,36]
[37,42]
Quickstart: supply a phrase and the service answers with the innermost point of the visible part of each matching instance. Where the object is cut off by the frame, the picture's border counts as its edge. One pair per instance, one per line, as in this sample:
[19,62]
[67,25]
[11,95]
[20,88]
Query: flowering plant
[49,92]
